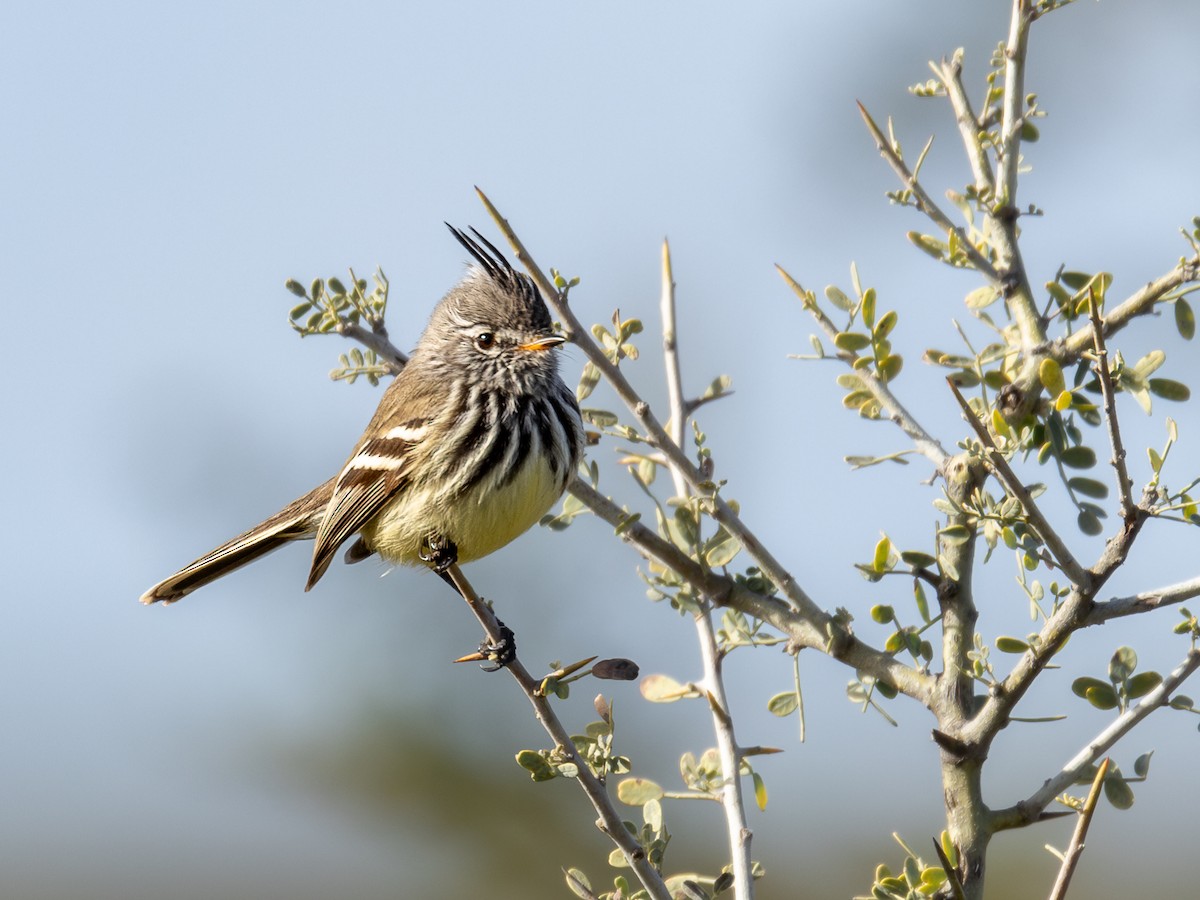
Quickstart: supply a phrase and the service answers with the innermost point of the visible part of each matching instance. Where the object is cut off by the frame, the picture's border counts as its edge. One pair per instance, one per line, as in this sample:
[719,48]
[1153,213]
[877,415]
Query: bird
[471,444]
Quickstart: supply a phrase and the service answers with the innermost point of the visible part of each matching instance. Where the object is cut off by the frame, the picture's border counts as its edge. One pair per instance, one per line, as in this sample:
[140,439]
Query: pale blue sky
[167,166]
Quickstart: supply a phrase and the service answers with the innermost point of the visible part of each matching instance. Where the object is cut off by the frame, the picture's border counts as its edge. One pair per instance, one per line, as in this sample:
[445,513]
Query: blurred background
[168,166]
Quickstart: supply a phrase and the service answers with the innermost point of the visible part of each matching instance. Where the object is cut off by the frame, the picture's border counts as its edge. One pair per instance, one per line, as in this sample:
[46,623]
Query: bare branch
[1143,602]
[1124,485]
[1071,858]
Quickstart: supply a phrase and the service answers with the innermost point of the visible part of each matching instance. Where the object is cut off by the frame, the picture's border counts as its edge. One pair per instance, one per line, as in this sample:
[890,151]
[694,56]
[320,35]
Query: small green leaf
[1141,765]
[931,245]
[601,418]
[663,689]
[1075,280]
[868,307]
[1155,460]
[1079,458]
[838,298]
[885,325]
[1088,487]
[1102,697]
[1089,523]
[1185,319]
[1170,390]
[1011,645]
[723,552]
[1118,791]
[918,559]
[295,287]
[579,884]
[883,551]
[882,613]
[1123,664]
[783,704]
[1142,684]
[1051,376]
[536,765]
[1080,686]
[587,382]
[955,534]
[851,341]
[760,790]
[919,599]
[638,791]
[982,297]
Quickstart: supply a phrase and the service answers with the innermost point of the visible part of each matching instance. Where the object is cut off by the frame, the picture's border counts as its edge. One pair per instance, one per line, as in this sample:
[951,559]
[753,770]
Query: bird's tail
[297,521]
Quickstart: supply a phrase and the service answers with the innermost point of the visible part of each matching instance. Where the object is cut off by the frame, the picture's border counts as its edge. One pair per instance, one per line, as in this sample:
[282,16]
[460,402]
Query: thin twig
[1028,810]
[926,203]
[610,821]
[949,73]
[1143,602]
[1013,114]
[927,445]
[377,341]
[999,465]
[732,800]
[1075,850]
[1124,484]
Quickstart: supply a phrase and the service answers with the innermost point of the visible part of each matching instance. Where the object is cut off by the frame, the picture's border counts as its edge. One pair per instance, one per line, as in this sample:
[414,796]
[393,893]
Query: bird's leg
[492,655]
[439,553]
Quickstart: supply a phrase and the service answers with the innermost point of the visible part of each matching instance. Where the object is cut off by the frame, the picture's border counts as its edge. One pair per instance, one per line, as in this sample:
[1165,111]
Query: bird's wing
[381,464]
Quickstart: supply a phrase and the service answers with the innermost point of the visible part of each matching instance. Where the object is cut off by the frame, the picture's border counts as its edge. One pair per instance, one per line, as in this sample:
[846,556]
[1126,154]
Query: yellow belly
[479,522]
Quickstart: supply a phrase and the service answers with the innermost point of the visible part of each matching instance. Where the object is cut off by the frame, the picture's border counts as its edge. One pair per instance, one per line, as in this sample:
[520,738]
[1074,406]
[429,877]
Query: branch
[823,632]
[1071,859]
[376,340]
[1124,485]
[1002,219]
[1138,303]
[1143,602]
[1027,811]
[926,204]
[949,72]
[926,444]
[999,465]
[732,801]
[657,437]
[610,821]
[1013,116]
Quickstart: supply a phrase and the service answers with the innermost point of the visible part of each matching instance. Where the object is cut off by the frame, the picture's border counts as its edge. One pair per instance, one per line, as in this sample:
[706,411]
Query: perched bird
[472,443]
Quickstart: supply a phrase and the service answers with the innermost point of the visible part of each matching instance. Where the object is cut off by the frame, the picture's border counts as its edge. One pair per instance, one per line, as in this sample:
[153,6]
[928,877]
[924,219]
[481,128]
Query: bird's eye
[485,340]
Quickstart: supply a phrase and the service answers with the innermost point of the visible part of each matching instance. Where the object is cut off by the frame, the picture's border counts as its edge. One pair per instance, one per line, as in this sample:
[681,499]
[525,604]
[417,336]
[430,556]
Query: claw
[439,553]
[494,656]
